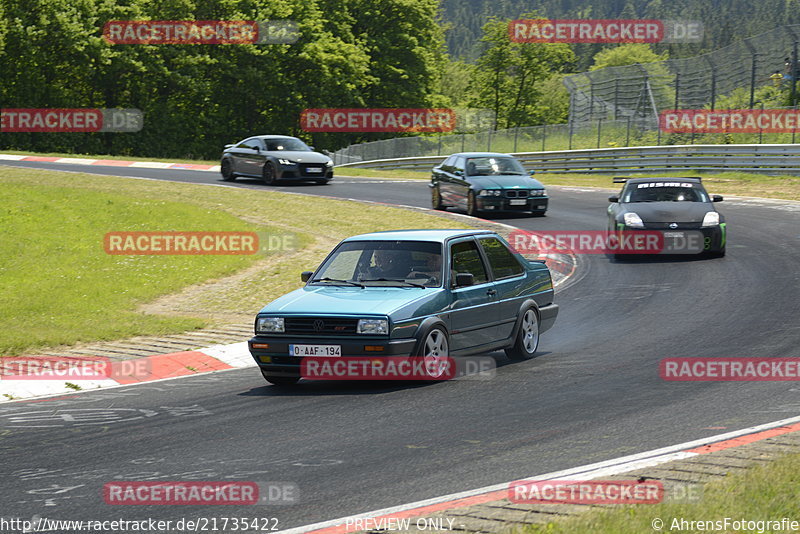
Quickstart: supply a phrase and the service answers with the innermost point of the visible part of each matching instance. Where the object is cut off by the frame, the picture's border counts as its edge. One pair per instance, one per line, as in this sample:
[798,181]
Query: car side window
[502,261]
[248,143]
[447,165]
[465,258]
[458,165]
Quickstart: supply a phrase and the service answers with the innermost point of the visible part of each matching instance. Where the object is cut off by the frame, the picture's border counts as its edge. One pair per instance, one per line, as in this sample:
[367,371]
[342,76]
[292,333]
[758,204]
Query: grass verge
[764,492]
[101,156]
[60,287]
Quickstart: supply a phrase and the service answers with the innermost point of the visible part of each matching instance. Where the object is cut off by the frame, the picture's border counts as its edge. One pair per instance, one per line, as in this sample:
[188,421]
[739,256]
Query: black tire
[435,351]
[227,174]
[321,182]
[536,214]
[527,340]
[280,380]
[268,174]
[472,209]
[436,198]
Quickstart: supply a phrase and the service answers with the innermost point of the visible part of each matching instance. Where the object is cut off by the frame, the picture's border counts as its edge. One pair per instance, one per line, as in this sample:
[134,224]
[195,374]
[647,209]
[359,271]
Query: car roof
[437,236]
[482,154]
[662,179]
[274,137]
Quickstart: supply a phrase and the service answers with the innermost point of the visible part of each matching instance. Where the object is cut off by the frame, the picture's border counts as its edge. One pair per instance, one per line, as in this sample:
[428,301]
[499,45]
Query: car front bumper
[276,359]
[708,239]
[534,204]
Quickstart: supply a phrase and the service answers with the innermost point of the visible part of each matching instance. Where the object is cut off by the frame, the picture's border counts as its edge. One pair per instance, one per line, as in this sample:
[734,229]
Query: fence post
[794,130]
[599,129]
[489,141]
[462,142]
[628,134]
[570,134]
[544,135]
[616,96]
[439,148]
[516,133]
[713,81]
[677,89]
[753,64]
[760,129]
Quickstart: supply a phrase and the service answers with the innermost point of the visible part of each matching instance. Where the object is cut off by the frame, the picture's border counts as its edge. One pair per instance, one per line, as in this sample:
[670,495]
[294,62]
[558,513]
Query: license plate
[315,350]
[314,169]
[673,234]
[518,202]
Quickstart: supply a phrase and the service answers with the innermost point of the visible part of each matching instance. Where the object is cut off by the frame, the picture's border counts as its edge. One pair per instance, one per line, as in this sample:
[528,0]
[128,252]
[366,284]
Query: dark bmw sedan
[486,182]
[275,158]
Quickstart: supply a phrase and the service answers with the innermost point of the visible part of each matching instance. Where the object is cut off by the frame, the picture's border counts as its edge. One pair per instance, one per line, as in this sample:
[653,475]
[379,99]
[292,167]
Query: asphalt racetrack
[593,393]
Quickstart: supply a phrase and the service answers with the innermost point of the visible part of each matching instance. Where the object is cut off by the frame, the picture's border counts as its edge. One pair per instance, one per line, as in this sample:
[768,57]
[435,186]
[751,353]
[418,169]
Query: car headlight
[538,192]
[633,220]
[489,193]
[269,324]
[283,161]
[373,326]
[329,163]
[711,219]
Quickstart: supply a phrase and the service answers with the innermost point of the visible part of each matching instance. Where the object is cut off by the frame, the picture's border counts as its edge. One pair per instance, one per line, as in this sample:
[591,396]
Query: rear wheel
[527,337]
[268,174]
[279,380]
[227,171]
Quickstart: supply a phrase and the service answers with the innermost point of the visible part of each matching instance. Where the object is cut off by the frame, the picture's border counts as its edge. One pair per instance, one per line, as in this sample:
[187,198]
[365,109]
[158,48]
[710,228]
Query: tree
[626,54]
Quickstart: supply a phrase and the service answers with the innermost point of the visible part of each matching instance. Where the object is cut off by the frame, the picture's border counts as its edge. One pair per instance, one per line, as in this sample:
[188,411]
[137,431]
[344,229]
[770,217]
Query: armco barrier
[771,159]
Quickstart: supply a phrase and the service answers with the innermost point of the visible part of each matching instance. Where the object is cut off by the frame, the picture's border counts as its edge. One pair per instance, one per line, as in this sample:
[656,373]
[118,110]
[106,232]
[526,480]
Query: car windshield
[494,166]
[383,263]
[664,192]
[276,145]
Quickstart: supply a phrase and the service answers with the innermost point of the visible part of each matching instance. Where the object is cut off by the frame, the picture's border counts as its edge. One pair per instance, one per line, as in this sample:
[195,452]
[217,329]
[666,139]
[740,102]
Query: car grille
[665,226]
[517,193]
[304,169]
[319,325]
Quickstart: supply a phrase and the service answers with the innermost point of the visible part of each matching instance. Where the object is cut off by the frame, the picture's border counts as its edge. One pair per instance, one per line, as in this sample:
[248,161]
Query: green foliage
[509,77]
[626,54]
[196,98]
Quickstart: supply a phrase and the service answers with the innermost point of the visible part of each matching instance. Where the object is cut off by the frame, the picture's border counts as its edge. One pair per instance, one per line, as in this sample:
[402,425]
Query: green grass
[58,286]
[101,156]
[400,174]
[768,492]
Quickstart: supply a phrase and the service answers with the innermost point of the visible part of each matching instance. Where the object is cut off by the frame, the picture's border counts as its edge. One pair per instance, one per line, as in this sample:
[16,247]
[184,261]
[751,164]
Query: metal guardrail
[772,159]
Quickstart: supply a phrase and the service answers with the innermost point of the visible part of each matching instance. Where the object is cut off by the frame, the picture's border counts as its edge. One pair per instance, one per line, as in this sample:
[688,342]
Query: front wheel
[279,380]
[527,337]
[268,174]
[436,198]
[472,209]
[227,171]
[435,353]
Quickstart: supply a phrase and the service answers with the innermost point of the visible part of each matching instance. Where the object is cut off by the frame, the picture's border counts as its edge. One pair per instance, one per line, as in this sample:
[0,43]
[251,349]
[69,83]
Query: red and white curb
[606,468]
[113,163]
[158,367]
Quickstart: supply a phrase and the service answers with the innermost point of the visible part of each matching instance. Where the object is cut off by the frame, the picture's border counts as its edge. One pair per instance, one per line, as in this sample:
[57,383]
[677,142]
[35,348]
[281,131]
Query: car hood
[685,212]
[300,156]
[508,181]
[346,300]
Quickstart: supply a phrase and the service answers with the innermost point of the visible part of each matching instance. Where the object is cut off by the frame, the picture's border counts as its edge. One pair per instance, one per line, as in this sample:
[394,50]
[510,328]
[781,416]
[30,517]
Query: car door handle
[491,292]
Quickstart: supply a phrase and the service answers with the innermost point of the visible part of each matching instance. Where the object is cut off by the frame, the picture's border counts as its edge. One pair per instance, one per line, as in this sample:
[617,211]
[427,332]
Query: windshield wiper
[391,280]
[349,282]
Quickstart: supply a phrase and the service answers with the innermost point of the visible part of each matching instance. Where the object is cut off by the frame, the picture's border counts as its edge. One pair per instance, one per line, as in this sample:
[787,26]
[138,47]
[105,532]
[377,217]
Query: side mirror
[458,173]
[531,172]
[305,276]
[613,199]
[465,279]
[312,148]
[716,198]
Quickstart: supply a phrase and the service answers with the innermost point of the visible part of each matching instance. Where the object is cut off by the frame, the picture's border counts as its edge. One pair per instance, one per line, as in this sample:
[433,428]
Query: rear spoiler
[623,179]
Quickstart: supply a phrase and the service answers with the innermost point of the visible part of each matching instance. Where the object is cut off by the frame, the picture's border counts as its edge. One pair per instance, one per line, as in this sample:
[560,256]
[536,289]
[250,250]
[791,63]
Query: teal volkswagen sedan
[417,294]
[486,182]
